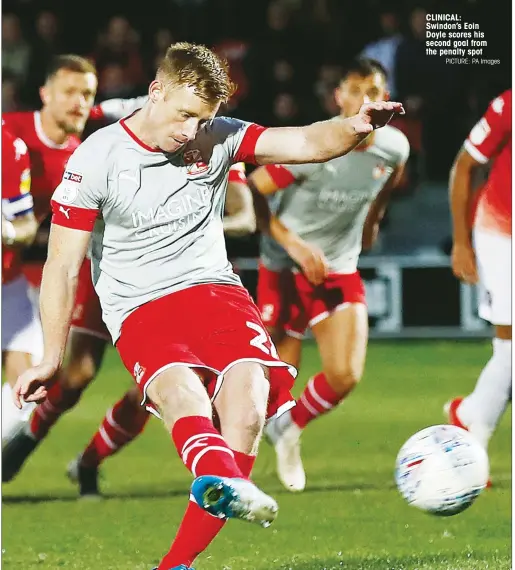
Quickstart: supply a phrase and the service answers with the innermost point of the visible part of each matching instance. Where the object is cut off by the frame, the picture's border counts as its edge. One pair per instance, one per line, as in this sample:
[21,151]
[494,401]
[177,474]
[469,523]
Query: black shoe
[15,453]
[85,477]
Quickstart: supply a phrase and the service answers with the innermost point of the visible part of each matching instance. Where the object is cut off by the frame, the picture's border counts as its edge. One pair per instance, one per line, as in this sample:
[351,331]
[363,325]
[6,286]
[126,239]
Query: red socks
[59,401]
[318,398]
[206,453]
[122,423]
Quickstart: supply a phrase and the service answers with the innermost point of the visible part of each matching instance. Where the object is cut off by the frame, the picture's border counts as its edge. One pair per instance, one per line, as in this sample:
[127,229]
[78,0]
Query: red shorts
[315,303]
[278,301]
[87,313]
[206,327]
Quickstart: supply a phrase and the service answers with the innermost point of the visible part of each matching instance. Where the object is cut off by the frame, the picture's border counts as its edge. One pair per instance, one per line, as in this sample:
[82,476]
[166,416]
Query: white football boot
[284,434]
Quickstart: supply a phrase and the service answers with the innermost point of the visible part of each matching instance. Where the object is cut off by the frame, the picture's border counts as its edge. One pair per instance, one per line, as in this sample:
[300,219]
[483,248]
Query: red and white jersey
[490,140]
[162,213]
[47,159]
[16,197]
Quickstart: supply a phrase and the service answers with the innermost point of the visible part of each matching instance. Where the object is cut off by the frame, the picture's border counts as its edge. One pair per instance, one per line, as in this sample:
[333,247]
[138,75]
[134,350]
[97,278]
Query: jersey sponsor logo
[66,194]
[65,211]
[25,181]
[194,163]
[20,148]
[139,372]
[72,176]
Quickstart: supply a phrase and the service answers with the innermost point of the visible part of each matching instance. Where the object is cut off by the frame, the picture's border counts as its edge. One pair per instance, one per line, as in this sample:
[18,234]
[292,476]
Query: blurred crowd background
[285,55]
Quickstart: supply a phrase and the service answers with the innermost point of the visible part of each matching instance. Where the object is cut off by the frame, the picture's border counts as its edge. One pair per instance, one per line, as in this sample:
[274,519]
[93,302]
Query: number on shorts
[262,340]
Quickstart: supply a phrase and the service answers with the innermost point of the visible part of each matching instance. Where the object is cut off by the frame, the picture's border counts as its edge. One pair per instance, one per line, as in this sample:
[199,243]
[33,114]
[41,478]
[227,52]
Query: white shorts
[493,255]
[21,326]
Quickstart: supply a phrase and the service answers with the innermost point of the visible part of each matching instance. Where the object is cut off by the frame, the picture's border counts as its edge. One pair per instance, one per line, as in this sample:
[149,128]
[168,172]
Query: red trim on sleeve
[73,217]
[236,175]
[280,175]
[96,113]
[247,149]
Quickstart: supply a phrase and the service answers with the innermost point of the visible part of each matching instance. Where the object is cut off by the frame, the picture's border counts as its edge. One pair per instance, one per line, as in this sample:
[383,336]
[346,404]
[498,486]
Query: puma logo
[65,211]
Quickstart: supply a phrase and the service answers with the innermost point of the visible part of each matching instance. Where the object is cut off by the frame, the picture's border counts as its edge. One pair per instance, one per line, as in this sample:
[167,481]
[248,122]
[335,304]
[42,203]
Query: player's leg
[22,346]
[481,411]
[121,425]
[220,486]
[342,341]
[241,428]
[86,352]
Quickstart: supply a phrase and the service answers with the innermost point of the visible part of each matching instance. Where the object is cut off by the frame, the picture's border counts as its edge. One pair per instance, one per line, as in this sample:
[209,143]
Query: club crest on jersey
[194,163]
[379,171]
[138,372]
[72,176]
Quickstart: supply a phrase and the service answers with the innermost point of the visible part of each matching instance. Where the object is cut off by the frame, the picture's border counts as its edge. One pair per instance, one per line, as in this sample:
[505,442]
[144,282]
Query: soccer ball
[441,470]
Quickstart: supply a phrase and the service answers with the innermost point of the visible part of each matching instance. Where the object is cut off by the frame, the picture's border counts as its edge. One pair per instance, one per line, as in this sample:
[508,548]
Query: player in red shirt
[481,254]
[180,368]
[51,135]
[22,337]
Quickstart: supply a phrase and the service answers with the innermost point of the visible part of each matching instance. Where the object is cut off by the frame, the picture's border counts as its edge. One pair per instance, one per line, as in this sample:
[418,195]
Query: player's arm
[324,140]
[378,207]
[75,206]
[265,181]
[239,217]
[19,226]
[115,109]
[483,142]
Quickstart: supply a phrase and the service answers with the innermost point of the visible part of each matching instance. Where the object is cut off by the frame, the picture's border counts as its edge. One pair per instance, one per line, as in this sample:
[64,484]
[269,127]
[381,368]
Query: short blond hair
[70,62]
[197,66]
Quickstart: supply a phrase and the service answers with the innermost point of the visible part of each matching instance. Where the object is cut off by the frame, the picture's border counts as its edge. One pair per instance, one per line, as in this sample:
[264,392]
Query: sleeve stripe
[15,207]
[474,153]
[73,217]
[237,176]
[280,175]
[247,149]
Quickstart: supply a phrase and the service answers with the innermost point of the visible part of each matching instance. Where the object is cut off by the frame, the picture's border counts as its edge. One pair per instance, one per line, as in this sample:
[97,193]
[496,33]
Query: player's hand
[311,260]
[375,115]
[463,261]
[33,384]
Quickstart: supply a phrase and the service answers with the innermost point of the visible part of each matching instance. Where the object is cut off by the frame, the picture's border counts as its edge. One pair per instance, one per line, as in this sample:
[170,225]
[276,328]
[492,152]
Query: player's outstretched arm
[115,109]
[66,250]
[324,140]
[463,258]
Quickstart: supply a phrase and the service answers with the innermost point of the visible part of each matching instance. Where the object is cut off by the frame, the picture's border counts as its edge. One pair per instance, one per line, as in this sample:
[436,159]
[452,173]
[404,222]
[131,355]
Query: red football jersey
[16,198]
[47,159]
[490,139]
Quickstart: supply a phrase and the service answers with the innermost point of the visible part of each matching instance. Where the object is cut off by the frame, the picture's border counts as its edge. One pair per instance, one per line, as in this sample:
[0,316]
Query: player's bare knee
[178,392]
[79,372]
[14,364]
[134,396]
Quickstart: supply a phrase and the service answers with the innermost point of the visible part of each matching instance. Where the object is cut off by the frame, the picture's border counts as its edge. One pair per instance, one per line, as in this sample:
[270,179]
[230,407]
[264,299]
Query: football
[441,470]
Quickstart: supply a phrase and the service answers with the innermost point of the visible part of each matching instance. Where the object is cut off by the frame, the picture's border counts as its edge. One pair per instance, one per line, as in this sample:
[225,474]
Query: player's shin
[199,528]
[121,425]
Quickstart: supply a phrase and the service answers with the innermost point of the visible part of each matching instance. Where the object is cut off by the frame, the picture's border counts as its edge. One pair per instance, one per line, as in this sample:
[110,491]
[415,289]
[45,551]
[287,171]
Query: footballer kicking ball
[441,470]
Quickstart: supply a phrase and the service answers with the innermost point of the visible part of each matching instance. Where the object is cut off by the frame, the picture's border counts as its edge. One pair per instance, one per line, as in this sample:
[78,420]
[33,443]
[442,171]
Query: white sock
[13,419]
[482,410]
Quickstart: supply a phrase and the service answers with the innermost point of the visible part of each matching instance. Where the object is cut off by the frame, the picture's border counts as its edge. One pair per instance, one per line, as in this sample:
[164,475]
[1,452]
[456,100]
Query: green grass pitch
[349,518]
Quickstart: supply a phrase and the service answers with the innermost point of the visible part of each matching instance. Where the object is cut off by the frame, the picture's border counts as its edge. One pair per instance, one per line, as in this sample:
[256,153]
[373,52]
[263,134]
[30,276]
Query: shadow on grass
[163,493]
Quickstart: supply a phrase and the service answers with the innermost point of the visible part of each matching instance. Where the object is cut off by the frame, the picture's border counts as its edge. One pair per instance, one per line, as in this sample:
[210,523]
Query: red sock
[199,528]
[202,449]
[59,401]
[122,423]
[318,398]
